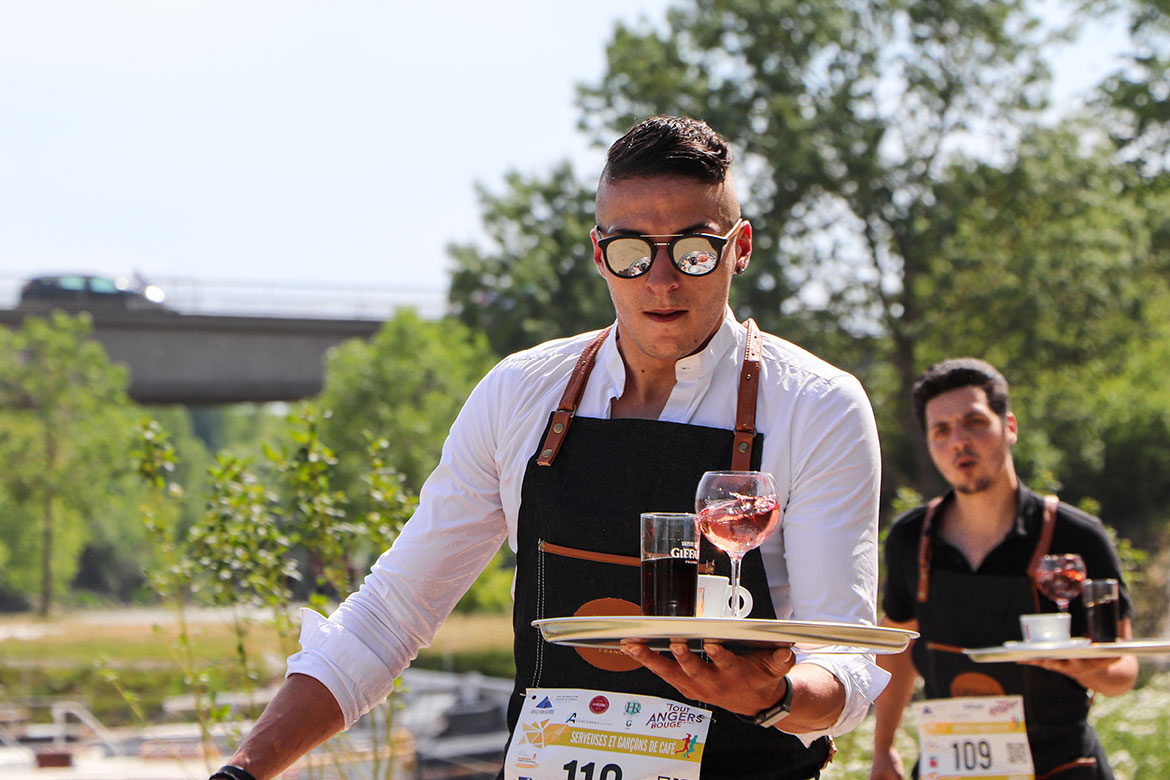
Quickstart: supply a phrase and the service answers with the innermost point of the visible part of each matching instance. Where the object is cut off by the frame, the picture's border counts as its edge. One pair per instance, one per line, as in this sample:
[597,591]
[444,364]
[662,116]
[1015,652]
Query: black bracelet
[770,716]
[232,772]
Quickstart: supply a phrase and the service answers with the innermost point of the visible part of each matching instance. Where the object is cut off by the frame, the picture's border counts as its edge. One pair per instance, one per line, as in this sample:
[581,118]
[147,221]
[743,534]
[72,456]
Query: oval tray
[810,635]
[1069,652]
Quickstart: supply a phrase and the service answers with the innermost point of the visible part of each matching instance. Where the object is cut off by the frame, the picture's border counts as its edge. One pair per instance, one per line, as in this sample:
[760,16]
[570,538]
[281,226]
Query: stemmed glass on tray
[1061,578]
[737,510]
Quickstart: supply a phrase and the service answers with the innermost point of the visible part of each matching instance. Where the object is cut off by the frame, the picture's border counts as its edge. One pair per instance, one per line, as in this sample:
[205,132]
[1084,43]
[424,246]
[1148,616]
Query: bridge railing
[261,298]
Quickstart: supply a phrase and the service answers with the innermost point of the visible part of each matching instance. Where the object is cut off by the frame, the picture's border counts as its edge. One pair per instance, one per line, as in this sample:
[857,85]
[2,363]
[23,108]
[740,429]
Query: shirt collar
[1025,501]
[699,365]
[688,369]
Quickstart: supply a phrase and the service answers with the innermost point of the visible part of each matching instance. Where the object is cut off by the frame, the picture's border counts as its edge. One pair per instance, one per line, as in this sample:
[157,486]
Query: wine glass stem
[736,603]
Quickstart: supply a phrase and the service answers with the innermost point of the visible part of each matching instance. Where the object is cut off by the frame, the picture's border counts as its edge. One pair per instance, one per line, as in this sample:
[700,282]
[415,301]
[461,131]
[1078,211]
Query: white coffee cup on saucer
[714,597]
[1046,627]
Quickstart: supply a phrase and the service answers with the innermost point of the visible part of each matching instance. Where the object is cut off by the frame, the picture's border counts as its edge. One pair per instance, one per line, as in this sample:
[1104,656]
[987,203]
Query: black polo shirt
[1075,532]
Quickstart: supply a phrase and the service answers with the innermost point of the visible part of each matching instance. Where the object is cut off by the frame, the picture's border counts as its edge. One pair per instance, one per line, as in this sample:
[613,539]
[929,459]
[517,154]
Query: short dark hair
[961,372]
[669,145]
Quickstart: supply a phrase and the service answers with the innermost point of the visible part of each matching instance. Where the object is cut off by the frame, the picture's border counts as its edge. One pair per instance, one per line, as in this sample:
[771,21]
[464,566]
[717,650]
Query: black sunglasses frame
[717,242]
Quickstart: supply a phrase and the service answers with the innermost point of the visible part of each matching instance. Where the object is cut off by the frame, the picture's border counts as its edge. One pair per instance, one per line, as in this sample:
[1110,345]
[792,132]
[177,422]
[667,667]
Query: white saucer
[1056,644]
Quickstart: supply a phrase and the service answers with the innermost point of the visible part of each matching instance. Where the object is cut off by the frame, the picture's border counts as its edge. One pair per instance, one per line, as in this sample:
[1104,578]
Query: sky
[324,143]
[288,142]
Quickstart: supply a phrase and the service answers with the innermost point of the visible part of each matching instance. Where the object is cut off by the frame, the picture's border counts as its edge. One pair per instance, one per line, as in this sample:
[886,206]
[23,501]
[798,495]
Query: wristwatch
[777,712]
[232,772]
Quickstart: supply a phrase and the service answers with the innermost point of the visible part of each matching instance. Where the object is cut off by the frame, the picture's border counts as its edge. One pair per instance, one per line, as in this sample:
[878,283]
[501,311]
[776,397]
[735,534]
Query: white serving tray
[657,632]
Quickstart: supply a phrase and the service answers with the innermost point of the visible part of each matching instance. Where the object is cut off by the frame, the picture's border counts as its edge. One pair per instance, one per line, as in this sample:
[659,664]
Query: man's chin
[971,488]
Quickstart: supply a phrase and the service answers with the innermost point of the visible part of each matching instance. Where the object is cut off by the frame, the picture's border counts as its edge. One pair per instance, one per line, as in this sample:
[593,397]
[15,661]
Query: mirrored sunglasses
[693,254]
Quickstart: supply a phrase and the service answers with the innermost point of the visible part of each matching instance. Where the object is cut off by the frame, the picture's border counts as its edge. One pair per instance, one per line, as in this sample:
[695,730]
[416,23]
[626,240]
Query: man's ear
[1012,431]
[598,260]
[743,247]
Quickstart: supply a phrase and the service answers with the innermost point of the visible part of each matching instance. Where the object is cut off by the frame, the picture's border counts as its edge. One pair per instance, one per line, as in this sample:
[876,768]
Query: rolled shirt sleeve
[458,527]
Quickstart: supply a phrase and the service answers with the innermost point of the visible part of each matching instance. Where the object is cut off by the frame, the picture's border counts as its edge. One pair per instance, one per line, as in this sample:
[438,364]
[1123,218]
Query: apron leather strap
[745,411]
[1051,503]
[1043,544]
[1074,764]
[570,399]
[925,548]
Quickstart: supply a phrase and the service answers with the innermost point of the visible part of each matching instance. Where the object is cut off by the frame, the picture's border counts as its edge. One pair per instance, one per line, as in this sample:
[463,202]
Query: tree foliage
[65,427]
[1139,91]
[405,385]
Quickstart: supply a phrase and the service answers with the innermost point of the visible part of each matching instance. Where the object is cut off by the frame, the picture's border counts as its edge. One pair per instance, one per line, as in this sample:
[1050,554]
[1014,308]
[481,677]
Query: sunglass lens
[628,256]
[695,255]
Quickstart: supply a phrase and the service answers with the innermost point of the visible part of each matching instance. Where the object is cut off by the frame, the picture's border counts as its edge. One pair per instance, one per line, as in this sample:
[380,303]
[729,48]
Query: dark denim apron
[963,610]
[578,553]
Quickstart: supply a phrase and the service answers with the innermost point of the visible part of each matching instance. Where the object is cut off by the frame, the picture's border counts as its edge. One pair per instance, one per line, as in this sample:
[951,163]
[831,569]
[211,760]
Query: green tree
[406,386]
[64,429]
[1139,92]
[1047,267]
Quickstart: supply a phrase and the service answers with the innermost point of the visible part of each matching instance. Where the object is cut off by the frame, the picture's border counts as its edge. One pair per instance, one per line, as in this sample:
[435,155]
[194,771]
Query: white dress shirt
[820,443]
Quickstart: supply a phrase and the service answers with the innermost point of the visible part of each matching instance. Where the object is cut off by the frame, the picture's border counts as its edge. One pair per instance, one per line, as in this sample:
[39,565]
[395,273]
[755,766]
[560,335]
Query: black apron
[964,610]
[578,544]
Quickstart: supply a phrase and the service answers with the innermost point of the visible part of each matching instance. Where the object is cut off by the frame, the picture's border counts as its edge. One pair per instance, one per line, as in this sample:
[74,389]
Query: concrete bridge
[197,359]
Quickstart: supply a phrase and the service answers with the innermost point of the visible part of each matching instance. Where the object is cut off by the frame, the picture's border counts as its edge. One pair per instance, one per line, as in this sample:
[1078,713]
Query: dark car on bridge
[83,292]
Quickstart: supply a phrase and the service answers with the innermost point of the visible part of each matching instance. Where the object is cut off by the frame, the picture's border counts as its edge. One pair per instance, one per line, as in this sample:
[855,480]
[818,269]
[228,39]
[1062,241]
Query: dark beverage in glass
[669,586]
[1101,610]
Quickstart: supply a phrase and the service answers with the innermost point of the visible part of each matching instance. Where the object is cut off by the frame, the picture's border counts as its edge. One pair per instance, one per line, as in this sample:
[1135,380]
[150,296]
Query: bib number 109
[608,772]
[971,754]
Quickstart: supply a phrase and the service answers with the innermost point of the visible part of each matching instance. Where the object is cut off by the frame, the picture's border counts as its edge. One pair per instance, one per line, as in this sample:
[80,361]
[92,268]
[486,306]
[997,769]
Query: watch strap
[232,772]
[777,712]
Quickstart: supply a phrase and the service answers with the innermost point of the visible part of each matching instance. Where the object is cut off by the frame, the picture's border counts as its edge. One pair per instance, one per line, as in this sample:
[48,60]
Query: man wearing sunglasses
[561,447]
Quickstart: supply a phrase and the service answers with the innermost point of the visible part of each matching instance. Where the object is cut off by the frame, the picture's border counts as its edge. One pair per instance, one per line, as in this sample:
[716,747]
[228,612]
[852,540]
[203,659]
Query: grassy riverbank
[61,657]
[99,656]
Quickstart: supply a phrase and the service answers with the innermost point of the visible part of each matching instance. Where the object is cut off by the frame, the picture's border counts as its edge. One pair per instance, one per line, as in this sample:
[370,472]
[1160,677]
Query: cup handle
[745,598]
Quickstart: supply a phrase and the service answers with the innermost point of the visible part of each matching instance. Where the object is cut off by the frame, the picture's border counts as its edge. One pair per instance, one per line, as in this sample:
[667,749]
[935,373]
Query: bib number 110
[608,772]
[970,754]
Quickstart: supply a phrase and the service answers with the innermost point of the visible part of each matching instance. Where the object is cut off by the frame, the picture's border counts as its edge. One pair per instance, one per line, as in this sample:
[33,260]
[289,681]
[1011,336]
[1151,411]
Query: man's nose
[960,439]
[662,271]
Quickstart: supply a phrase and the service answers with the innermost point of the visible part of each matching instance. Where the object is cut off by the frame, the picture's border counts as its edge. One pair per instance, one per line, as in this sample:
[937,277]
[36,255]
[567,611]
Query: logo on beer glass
[688,552]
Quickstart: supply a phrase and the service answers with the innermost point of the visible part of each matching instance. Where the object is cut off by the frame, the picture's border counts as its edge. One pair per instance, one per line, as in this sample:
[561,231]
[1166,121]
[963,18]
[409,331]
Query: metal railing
[279,298]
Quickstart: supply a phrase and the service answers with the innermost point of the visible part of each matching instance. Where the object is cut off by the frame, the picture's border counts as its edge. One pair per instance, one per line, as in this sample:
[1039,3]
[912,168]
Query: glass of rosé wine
[1061,578]
[737,510]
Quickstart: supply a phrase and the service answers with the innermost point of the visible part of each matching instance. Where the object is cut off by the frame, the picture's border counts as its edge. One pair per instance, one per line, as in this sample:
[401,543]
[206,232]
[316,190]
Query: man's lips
[665,315]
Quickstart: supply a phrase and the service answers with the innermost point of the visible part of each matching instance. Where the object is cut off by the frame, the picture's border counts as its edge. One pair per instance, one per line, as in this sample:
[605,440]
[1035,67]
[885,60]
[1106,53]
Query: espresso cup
[714,598]
[1045,627]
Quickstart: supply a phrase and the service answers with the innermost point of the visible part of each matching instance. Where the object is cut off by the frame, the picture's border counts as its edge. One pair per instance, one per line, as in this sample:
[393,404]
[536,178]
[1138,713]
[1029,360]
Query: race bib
[575,734]
[976,737]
